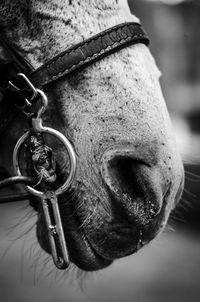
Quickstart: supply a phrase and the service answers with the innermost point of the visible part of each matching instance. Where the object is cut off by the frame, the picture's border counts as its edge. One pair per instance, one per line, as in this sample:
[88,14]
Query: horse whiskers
[183,206]
[78,197]
[179,213]
[33,249]
[189,193]
[21,222]
[13,241]
[170,228]
[87,219]
[196,176]
[175,218]
[78,207]
[192,180]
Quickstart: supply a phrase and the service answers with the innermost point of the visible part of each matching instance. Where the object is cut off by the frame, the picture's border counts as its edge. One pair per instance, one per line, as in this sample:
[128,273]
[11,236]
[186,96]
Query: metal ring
[44,99]
[70,151]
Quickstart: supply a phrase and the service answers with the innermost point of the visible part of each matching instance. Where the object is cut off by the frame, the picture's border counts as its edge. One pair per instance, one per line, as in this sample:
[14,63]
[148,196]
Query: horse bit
[20,86]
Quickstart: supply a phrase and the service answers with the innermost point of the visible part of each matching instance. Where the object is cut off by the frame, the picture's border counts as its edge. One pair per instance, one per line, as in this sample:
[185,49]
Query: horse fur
[113,107]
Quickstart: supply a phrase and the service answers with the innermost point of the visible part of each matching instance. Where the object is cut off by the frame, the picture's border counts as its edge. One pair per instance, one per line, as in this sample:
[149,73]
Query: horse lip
[80,250]
[103,259]
[125,235]
[83,251]
[86,259]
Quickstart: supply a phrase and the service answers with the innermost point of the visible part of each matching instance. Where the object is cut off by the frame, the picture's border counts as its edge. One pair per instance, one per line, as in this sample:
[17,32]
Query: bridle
[20,86]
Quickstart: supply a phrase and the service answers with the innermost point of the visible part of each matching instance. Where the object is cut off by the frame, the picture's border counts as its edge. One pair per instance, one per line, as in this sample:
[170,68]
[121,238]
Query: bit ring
[72,157]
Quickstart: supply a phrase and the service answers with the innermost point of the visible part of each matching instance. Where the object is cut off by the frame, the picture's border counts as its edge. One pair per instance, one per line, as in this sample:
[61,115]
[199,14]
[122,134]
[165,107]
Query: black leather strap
[69,61]
[87,52]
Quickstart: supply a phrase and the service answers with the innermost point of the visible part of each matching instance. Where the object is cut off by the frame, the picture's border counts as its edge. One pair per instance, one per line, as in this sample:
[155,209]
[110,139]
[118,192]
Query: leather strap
[69,61]
[87,52]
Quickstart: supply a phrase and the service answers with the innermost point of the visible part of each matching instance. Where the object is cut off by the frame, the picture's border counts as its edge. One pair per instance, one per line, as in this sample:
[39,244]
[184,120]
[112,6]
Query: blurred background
[169,268]
[175,43]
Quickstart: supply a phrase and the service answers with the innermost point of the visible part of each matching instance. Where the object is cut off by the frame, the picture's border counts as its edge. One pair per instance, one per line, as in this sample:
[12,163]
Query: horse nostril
[121,176]
[133,185]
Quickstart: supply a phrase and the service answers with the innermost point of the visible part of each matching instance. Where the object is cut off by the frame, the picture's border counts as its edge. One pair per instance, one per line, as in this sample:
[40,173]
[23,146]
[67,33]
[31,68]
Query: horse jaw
[116,117]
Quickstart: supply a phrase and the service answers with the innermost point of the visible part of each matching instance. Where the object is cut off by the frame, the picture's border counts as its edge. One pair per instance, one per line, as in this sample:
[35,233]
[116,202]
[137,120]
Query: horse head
[129,174]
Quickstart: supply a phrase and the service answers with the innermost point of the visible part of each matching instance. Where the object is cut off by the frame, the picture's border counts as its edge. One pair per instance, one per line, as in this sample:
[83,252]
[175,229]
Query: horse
[129,173]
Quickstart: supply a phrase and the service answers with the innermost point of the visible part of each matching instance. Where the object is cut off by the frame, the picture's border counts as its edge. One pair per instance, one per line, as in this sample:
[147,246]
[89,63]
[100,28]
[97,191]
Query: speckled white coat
[113,107]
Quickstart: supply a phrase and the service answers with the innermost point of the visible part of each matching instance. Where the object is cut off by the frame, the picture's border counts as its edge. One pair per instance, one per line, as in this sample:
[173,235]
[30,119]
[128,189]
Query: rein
[20,87]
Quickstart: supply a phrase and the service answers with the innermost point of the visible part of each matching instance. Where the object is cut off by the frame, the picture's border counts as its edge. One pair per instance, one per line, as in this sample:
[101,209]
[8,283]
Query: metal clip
[54,224]
[55,231]
[27,103]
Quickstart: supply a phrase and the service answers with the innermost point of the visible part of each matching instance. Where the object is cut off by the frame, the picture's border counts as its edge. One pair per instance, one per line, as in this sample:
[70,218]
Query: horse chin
[81,252]
[92,248]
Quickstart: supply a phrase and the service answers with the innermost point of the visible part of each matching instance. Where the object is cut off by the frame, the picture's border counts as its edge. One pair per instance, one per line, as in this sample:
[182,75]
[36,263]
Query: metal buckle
[27,103]
[54,225]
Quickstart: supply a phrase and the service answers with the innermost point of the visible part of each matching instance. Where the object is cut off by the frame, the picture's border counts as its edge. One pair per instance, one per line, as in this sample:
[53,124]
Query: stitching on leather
[99,36]
[89,58]
[119,43]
